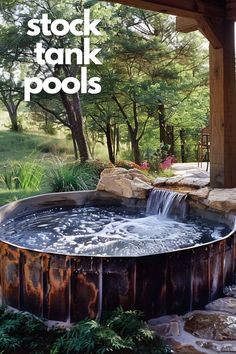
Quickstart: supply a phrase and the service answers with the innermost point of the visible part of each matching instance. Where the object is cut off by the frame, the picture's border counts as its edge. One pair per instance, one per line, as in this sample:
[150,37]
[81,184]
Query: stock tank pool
[67,256]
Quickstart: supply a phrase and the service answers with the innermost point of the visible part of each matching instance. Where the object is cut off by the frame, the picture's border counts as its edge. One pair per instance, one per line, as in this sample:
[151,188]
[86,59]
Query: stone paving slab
[208,331]
[186,174]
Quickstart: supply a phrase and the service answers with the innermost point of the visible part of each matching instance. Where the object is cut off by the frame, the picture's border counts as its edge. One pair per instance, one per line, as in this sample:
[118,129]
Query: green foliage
[53,147]
[89,336]
[16,146]
[155,157]
[149,64]
[23,175]
[166,173]
[120,332]
[23,333]
[73,177]
[49,128]
[130,325]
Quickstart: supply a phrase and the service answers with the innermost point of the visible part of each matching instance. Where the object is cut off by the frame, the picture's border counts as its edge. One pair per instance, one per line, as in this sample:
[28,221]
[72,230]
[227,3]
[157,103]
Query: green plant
[49,128]
[130,325]
[53,147]
[166,173]
[155,157]
[23,333]
[73,177]
[119,332]
[89,336]
[22,175]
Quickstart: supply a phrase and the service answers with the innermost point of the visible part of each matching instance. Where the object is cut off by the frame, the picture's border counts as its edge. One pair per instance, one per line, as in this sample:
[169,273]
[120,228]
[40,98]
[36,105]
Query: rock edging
[125,183]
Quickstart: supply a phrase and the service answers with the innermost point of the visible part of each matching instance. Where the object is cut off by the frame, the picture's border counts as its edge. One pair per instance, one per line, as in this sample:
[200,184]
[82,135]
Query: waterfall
[166,203]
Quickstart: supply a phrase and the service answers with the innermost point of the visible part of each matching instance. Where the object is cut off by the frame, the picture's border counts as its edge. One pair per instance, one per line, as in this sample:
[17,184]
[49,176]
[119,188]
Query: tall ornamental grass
[73,177]
[22,175]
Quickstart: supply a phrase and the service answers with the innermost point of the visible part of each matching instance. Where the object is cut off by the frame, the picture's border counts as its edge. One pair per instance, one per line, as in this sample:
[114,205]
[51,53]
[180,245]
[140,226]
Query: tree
[148,73]
[151,76]
[11,96]
[21,50]
[11,92]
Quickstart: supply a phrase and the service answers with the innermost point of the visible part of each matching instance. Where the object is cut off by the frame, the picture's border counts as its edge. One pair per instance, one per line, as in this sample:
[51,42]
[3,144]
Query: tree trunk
[136,150]
[12,111]
[117,140]
[80,136]
[14,124]
[162,123]
[74,145]
[109,144]
[46,119]
[75,119]
[182,144]
[170,139]
[14,121]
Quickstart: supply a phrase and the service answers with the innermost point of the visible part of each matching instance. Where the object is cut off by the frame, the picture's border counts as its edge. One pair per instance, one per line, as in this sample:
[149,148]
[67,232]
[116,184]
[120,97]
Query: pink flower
[166,164]
[144,165]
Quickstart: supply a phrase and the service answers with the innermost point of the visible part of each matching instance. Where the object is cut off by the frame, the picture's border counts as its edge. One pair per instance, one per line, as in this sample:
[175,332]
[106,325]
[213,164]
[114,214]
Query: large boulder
[125,183]
[213,326]
[200,194]
[225,304]
[222,199]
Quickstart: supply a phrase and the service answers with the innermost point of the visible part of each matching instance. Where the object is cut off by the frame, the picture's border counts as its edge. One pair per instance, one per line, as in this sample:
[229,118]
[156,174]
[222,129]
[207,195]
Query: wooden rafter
[212,29]
[186,25]
[231,10]
[184,8]
[225,9]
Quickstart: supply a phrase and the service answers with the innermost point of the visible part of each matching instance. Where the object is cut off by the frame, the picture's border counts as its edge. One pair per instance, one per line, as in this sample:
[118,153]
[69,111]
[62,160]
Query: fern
[90,337]
[125,323]
[118,332]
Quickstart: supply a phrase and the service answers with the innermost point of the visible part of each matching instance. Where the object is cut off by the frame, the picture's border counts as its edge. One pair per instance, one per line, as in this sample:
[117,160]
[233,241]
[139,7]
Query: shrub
[89,336]
[155,157]
[73,177]
[52,147]
[23,333]
[130,325]
[23,175]
[49,128]
[166,173]
[120,332]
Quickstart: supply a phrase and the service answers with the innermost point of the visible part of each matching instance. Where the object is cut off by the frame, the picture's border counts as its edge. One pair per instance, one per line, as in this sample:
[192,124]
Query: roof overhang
[221,9]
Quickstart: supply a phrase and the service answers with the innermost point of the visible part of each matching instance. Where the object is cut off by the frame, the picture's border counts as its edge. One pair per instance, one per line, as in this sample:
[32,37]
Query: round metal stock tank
[70,288]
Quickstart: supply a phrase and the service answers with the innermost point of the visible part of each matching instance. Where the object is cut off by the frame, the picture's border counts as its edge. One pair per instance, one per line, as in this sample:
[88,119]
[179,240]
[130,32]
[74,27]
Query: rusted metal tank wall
[65,288]
[70,288]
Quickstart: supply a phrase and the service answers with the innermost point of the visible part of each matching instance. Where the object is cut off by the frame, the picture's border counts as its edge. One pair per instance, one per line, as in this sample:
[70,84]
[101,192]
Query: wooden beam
[182,8]
[212,29]
[186,25]
[231,10]
[223,111]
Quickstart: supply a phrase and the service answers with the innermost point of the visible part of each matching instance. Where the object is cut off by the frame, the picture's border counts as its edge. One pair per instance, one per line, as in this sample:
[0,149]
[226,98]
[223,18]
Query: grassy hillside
[30,147]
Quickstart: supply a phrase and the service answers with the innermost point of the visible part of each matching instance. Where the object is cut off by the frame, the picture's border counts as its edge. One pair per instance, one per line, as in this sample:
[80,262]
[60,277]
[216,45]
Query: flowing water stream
[112,231]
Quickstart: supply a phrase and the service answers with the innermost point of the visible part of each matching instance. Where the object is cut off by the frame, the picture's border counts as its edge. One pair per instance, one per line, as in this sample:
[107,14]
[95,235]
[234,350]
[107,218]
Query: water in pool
[107,232]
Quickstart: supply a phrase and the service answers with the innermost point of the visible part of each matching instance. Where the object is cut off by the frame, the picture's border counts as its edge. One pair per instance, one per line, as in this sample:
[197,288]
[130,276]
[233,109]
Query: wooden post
[223,111]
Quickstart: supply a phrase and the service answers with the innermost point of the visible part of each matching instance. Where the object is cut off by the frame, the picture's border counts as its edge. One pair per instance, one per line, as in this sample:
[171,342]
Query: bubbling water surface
[93,231]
